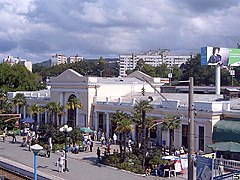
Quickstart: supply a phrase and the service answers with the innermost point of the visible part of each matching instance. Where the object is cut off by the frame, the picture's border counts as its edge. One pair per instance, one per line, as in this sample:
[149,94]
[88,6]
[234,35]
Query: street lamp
[35,148]
[160,122]
[65,129]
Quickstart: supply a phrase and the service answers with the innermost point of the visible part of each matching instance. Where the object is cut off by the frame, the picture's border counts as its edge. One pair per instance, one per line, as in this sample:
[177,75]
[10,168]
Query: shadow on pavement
[43,167]
[91,159]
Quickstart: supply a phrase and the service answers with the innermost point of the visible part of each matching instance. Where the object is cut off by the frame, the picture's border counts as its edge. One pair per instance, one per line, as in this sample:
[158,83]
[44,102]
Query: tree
[19,100]
[35,110]
[140,65]
[177,73]
[142,107]
[55,111]
[170,124]
[72,104]
[17,77]
[124,126]
[149,69]
[101,66]
[3,98]
[162,71]
[203,75]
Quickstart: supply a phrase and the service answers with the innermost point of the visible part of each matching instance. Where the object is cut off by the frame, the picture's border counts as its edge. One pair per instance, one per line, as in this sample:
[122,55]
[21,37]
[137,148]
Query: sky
[37,29]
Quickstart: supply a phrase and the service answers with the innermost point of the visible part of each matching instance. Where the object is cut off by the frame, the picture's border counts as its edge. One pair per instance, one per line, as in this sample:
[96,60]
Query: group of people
[158,170]
[27,140]
[166,151]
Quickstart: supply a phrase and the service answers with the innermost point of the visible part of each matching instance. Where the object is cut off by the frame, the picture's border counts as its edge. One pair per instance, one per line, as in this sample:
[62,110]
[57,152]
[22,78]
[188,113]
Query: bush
[57,147]
[130,166]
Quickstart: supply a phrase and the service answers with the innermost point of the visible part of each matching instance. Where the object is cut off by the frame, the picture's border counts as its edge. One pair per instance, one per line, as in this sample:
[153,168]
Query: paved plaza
[81,165]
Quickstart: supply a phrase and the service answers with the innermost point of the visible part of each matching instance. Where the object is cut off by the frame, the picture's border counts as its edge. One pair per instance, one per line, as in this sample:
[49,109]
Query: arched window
[71,106]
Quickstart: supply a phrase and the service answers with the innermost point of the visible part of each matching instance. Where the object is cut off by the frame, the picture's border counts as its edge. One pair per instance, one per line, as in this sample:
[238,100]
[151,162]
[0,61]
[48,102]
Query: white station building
[102,96]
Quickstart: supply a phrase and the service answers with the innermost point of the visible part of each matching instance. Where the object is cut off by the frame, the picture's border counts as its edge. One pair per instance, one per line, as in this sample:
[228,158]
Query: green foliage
[162,71]
[148,69]
[17,77]
[75,135]
[5,104]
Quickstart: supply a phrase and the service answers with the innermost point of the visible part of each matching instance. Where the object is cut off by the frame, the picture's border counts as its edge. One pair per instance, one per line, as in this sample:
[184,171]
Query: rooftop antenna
[18,47]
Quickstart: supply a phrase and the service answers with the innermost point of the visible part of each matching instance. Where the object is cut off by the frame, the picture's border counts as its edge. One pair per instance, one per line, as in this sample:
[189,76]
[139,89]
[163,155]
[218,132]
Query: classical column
[107,125]
[38,119]
[77,118]
[168,138]
[133,132]
[45,117]
[17,109]
[24,111]
[95,121]
[77,113]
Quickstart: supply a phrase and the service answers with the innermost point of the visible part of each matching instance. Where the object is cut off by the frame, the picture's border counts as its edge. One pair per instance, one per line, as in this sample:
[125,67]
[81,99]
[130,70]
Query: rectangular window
[153,133]
[201,138]
[83,120]
[185,135]
[100,121]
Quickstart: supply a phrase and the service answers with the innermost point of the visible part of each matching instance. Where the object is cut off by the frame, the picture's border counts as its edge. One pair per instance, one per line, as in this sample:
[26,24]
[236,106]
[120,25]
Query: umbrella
[86,130]
[225,146]
[172,158]
[27,120]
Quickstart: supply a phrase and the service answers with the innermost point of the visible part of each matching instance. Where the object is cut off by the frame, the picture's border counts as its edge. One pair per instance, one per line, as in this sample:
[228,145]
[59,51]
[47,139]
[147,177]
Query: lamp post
[65,129]
[35,148]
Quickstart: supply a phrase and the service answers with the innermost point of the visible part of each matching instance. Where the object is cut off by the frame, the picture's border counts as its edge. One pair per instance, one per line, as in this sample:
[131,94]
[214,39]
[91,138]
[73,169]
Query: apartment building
[74,59]
[62,59]
[59,59]
[175,60]
[153,58]
[17,60]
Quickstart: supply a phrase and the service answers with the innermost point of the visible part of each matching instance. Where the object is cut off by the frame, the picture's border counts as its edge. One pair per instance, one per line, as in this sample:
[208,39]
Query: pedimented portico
[86,89]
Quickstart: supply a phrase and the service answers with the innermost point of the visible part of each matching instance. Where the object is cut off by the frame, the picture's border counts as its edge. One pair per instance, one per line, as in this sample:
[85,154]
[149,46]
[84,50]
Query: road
[82,165]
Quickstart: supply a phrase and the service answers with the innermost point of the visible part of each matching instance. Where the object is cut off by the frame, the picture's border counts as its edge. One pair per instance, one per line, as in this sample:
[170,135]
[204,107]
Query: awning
[225,146]
[86,130]
[27,120]
[227,130]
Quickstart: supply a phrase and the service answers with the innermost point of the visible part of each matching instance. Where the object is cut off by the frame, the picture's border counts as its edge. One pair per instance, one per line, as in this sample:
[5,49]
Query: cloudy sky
[37,29]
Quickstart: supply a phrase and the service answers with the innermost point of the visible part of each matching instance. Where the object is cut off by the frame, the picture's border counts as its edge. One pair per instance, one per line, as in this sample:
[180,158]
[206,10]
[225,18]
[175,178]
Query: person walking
[220,169]
[5,130]
[98,155]
[48,150]
[14,137]
[60,163]
[91,145]
[115,138]
[3,136]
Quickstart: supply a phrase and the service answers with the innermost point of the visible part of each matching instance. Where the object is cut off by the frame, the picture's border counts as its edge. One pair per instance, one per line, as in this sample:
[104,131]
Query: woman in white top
[60,163]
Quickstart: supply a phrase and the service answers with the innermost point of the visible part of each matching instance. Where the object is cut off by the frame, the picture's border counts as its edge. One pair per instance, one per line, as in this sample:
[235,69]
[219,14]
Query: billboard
[220,56]
[204,169]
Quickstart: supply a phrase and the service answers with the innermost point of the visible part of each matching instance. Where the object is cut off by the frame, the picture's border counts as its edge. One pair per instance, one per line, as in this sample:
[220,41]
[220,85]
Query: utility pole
[191,137]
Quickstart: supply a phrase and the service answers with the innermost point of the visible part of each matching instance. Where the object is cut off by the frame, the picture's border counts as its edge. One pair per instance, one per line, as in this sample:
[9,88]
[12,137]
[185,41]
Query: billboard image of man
[215,58]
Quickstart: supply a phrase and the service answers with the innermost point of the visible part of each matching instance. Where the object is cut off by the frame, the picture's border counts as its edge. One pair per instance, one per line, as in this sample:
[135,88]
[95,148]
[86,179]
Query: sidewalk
[81,165]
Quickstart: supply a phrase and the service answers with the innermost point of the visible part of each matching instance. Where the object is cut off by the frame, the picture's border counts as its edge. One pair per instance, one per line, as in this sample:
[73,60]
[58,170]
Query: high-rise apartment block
[153,58]
[62,59]
[74,59]
[59,59]
[17,60]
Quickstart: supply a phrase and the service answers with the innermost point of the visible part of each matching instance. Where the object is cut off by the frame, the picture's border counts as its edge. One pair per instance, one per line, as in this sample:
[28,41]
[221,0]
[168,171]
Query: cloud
[94,28]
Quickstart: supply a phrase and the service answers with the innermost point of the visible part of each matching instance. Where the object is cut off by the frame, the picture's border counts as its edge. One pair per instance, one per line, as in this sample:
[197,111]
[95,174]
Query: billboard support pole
[218,79]
[191,134]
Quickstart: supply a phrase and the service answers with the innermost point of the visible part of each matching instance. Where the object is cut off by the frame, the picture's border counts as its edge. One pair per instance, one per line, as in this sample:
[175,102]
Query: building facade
[17,60]
[153,58]
[102,97]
